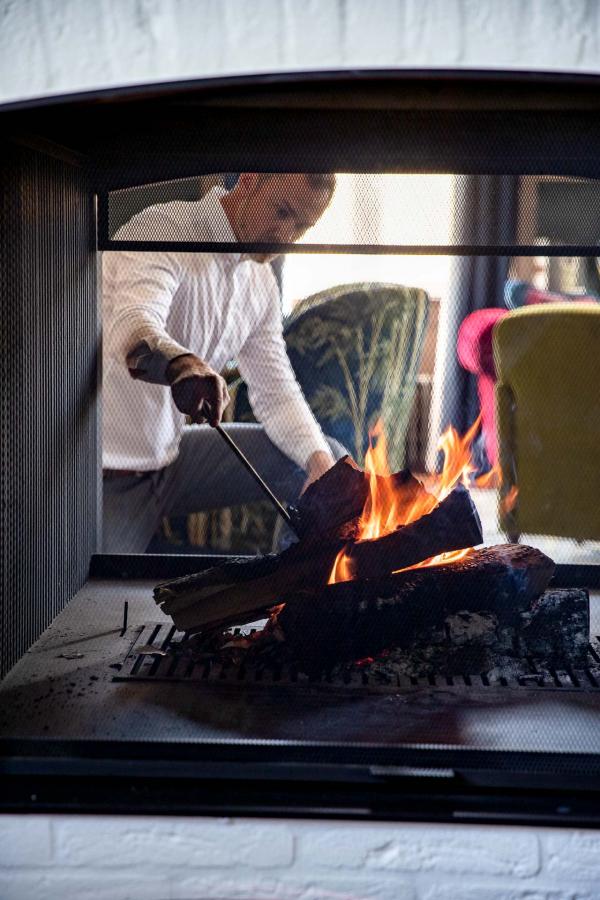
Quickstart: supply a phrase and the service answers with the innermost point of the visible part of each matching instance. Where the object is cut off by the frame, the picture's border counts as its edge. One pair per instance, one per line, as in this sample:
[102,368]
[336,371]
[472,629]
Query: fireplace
[478,707]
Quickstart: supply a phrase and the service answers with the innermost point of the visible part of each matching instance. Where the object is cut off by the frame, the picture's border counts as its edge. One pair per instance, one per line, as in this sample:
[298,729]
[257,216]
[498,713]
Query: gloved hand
[198,391]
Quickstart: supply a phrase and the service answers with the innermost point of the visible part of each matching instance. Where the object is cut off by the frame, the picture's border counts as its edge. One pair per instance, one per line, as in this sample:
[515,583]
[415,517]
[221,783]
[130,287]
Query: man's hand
[198,391]
[318,463]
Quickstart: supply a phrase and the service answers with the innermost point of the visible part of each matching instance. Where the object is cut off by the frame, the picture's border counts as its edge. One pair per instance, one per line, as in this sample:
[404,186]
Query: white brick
[505,891]
[69,45]
[414,848]
[573,854]
[290,885]
[56,884]
[105,841]
[24,841]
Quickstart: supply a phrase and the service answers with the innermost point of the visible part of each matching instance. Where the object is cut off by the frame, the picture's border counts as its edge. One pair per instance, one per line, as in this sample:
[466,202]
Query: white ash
[464,627]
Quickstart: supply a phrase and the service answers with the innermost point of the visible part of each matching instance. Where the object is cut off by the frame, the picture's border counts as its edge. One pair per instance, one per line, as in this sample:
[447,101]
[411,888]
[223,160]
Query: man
[172,321]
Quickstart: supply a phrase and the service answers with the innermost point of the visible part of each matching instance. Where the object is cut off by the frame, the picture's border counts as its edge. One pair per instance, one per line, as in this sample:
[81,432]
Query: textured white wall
[55,46]
[170,858]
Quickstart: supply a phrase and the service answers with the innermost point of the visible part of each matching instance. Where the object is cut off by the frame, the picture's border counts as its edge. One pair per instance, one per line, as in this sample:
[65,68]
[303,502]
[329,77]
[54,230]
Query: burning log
[339,496]
[335,498]
[452,525]
[244,589]
[352,620]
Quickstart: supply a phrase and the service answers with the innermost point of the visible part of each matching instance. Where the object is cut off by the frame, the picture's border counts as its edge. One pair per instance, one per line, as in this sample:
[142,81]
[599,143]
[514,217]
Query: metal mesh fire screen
[388,295]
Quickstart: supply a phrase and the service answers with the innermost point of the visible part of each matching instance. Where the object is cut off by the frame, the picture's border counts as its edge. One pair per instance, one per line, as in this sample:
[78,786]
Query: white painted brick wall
[181,858]
[122,842]
[456,851]
[56,46]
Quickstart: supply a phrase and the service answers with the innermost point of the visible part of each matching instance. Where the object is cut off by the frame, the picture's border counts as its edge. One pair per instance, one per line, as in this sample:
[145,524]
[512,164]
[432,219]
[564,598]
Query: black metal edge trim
[51,148]
[165,89]
[102,212]
[424,800]
[285,780]
[235,757]
[276,771]
[591,250]
[126,566]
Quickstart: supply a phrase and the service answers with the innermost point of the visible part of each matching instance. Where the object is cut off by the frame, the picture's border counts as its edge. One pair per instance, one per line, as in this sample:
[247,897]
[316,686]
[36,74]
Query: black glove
[198,391]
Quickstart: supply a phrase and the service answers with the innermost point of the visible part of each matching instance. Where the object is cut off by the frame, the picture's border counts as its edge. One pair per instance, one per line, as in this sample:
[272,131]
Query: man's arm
[138,289]
[138,293]
[277,399]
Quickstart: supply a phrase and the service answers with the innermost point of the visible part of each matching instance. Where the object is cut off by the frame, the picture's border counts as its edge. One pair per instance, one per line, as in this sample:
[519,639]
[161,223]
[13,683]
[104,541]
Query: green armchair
[356,351]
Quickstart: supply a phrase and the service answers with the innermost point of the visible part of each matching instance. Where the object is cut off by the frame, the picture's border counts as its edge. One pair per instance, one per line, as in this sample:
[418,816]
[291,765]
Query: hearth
[430,665]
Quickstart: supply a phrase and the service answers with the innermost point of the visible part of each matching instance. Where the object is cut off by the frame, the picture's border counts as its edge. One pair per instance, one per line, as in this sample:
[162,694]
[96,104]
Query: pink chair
[475,354]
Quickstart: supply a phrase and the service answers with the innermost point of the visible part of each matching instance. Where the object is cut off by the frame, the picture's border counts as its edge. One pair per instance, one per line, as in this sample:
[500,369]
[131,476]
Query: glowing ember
[389,506]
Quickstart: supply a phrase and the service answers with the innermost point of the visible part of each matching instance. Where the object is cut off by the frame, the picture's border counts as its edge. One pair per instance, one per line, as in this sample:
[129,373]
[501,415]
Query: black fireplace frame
[87,145]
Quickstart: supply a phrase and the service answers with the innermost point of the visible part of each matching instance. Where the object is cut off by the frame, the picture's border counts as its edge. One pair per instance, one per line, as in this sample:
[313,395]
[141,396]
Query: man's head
[276,207]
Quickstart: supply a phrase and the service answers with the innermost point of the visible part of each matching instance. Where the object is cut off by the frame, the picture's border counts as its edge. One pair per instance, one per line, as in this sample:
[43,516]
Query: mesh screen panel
[373,213]
[393,304]
[375,340]
[402,337]
[48,330]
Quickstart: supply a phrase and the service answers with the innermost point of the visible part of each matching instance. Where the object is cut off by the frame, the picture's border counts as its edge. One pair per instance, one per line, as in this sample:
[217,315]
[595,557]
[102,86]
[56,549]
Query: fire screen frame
[105,134]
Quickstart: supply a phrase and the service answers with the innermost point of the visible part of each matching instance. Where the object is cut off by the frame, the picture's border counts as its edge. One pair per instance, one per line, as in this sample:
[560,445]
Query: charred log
[245,589]
[452,525]
[553,634]
[557,629]
[339,496]
[351,620]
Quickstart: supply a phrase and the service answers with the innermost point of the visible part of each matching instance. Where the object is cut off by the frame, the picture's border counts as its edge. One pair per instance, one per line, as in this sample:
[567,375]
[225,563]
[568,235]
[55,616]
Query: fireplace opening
[424,606]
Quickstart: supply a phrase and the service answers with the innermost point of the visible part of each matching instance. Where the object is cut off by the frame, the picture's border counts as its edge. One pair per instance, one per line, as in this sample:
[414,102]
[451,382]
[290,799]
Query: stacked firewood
[386,603]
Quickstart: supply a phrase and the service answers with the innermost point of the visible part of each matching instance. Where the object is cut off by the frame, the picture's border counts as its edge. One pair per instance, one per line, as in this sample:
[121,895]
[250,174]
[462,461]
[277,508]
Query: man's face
[278,209]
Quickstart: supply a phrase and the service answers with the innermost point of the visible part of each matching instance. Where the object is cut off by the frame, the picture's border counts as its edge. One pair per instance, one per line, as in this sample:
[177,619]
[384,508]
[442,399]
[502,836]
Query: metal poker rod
[263,485]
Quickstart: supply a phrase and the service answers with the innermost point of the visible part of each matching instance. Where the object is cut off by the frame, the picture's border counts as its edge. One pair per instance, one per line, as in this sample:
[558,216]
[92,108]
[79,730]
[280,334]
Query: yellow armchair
[547,362]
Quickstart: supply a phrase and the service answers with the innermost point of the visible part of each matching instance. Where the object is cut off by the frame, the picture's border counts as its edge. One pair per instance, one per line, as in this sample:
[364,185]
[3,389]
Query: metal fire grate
[168,667]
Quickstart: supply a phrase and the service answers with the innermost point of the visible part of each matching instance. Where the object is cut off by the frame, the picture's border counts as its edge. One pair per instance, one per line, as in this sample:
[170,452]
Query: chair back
[356,351]
[548,417]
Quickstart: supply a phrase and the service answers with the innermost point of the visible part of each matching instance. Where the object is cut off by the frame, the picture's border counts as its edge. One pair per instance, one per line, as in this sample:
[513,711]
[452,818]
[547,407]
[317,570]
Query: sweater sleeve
[274,393]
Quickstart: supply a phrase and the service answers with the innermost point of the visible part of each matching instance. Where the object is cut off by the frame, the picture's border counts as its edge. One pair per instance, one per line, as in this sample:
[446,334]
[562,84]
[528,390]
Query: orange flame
[507,503]
[442,559]
[489,479]
[342,569]
[388,507]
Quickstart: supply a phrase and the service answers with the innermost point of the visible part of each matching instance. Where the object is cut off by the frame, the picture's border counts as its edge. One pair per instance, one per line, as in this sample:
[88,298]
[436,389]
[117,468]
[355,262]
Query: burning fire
[388,506]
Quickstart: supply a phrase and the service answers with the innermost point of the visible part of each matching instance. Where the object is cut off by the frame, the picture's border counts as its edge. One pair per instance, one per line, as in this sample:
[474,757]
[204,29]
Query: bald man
[172,321]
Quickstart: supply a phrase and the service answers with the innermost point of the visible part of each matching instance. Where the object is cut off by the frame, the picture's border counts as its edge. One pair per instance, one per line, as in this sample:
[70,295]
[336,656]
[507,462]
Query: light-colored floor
[561,550]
